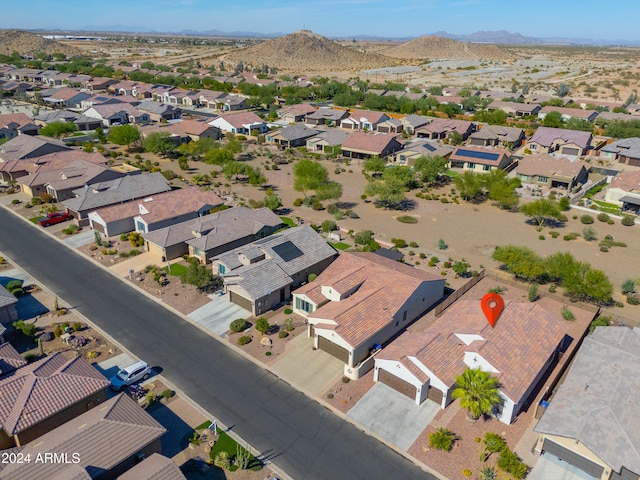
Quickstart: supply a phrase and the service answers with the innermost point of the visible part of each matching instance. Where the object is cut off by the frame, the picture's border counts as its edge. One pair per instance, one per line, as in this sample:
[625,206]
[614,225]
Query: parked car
[131,374]
[53,218]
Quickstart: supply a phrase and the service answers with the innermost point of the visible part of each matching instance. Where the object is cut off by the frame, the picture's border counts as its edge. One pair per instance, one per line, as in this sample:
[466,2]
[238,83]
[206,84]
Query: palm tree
[477,391]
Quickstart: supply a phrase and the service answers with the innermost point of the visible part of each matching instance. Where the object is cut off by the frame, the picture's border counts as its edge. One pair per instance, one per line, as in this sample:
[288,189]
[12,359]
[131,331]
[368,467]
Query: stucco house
[568,113]
[362,300]
[497,136]
[421,148]
[593,419]
[295,113]
[43,395]
[326,116]
[560,141]
[479,159]
[519,350]
[292,136]
[241,123]
[552,172]
[8,312]
[261,275]
[624,190]
[14,124]
[327,142]
[213,234]
[515,109]
[626,150]
[442,128]
[363,145]
[363,120]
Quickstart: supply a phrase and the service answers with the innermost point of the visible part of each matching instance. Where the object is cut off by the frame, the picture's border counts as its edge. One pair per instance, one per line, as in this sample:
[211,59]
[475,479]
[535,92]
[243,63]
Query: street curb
[244,354]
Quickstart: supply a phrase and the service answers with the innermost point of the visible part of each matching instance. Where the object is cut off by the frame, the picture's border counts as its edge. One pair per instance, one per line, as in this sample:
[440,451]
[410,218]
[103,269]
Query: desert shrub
[317,205]
[554,234]
[553,288]
[36,201]
[333,209]
[604,248]
[244,340]
[168,393]
[541,237]
[297,202]
[238,325]
[599,322]
[627,221]
[283,334]
[407,219]
[71,229]
[413,245]
[346,380]
[633,299]
[15,201]
[564,204]
[262,325]
[586,219]
[328,226]
[510,463]
[136,239]
[422,255]
[589,234]
[399,242]
[444,200]
[628,286]
[610,221]
[28,329]
[603,217]
[46,197]
[329,396]
[533,292]
[76,327]
[311,277]
[442,439]
[567,314]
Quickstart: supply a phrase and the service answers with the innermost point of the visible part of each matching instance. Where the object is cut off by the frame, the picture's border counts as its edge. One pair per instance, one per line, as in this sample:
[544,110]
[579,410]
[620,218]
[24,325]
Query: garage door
[571,151]
[572,458]
[98,226]
[435,395]
[397,383]
[333,349]
[240,300]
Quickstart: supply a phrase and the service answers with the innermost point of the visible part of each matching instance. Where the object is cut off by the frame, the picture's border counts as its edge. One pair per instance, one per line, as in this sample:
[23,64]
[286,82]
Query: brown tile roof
[19,118]
[627,181]
[40,390]
[440,125]
[369,115]
[571,112]
[155,467]
[10,359]
[383,287]
[238,120]
[549,166]
[368,142]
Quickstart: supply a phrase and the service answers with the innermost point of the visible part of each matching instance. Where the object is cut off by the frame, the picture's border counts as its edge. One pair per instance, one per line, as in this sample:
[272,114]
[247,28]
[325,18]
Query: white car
[131,374]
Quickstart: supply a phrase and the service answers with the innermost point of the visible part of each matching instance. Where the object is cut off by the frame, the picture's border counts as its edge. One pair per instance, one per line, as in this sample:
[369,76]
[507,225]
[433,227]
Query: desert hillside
[26,43]
[305,51]
[443,48]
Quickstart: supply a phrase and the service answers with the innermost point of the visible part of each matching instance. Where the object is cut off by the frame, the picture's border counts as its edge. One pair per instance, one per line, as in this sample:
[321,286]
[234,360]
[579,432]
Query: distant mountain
[503,37]
[117,28]
[220,33]
[438,47]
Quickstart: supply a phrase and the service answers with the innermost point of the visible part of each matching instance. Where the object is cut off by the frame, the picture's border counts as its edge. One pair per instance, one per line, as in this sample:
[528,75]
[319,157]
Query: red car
[53,218]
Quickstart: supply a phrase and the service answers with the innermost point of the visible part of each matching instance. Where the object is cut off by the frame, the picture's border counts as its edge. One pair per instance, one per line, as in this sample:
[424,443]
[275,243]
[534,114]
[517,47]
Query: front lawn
[608,207]
[227,444]
[288,222]
[339,245]
[176,270]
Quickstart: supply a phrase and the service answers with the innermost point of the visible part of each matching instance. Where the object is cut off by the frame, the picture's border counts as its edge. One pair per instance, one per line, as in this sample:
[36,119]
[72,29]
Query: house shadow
[29,307]
[178,431]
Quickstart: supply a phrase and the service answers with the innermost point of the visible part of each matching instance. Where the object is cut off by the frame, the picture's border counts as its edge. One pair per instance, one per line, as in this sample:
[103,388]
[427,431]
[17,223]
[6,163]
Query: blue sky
[616,19]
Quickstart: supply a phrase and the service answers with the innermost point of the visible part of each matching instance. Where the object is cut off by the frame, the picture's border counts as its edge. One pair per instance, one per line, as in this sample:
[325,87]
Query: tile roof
[519,345]
[163,205]
[103,437]
[6,298]
[628,147]
[503,134]
[569,112]
[519,107]
[155,467]
[22,146]
[296,110]
[382,287]
[44,388]
[10,359]
[215,229]
[120,190]
[73,175]
[480,155]
[627,181]
[155,107]
[368,142]
[295,132]
[286,254]
[331,137]
[239,119]
[20,119]
[366,115]
[597,402]
[549,166]
[442,125]
[328,114]
[545,136]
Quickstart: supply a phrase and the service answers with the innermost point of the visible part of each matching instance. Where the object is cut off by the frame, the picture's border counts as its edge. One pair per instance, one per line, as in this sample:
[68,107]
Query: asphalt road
[303,438]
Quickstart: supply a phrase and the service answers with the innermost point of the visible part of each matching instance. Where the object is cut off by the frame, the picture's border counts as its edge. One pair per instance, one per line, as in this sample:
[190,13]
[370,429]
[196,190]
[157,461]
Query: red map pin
[492,305]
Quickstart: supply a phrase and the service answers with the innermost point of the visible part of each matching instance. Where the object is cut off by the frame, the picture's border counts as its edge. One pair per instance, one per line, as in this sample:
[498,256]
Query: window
[222,269]
[471,166]
[486,168]
[542,179]
[404,316]
[304,306]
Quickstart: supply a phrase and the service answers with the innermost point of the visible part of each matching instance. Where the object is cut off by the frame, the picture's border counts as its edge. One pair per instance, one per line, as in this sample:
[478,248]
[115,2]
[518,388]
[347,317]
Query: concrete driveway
[218,314]
[313,371]
[15,274]
[136,264]
[551,467]
[393,416]
[80,239]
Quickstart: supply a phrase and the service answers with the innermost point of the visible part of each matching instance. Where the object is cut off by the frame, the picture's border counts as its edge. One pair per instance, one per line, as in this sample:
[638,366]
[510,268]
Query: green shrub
[283,334]
[13,285]
[553,288]
[599,322]
[413,245]
[71,229]
[346,380]
[586,219]
[442,439]
[628,286]
[399,242]
[28,329]
[244,340]
[533,292]
[262,325]
[76,327]
[627,221]
[317,205]
[328,226]
[36,201]
[238,325]
[168,393]
[567,314]
[510,463]
[589,234]
[444,200]
[610,221]
[407,219]
[541,237]
[564,204]
[297,202]
[604,248]
[603,217]
[633,299]
[18,292]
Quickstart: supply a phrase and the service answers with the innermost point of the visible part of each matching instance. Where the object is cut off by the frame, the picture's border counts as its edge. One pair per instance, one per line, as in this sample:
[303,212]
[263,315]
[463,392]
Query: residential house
[363,145]
[626,150]
[8,311]
[209,98]
[66,98]
[213,234]
[93,196]
[159,112]
[412,122]
[232,103]
[25,147]
[295,113]
[442,128]
[560,141]
[363,120]
[60,182]
[241,123]
[14,124]
[55,78]
[421,148]
[624,190]
[326,116]
[448,100]
[105,442]
[99,83]
[10,359]
[497,136]
[261,275]
[593,419]
[480,159]
[568,113]
[158,90]
[175,133]
[515,109]
[521,349]
[43,395]
[392,125]
[151,213]
[498,95]
[12,88]
[117,114]
[604,117]
[197,130]
[124,87]
[50,116]
[155,467]
[329,142]
[291,136]
[360,302]
[552,172]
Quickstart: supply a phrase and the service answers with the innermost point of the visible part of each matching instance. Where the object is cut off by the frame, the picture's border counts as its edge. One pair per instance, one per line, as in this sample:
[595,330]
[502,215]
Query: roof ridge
[26,391]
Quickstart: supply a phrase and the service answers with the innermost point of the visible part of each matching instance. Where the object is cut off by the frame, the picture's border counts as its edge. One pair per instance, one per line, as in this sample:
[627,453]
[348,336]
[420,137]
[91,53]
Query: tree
[58,129]
[375,165]
[401,174]
[429,169]
[124,135]
[200,275]
[159,143]
[218,156]
[308,175]
[329,191]
[501,189]
[553,119]
[477,391]
[390,192]
[328,226]
[469,185]
[272,201]
[455,138]
[262,325]
[542,210]
[461,268]
[522,262]
[563,90]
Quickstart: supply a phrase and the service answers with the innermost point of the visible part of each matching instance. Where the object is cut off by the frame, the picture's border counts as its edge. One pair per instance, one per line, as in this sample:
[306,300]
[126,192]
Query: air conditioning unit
[140,456]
